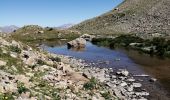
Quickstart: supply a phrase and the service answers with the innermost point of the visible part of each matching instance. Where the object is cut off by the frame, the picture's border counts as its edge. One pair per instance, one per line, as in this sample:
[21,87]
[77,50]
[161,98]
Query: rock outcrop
[77,43]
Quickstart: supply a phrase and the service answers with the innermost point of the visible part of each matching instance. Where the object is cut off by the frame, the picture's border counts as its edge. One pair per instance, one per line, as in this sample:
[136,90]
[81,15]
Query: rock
[79,42]
[113,76]
[130,88]
[136,85]
[9,87]
[13,54]
[2,63]
[87,37]
[41,32]
[14,43]
[87,74]
[123,73]
[131,80]
[23,79]
[153,80]
[4,42]
[142,93]
[14,68]
[42,68]
[123,84]
[118,93]
[25,95]
[142,75]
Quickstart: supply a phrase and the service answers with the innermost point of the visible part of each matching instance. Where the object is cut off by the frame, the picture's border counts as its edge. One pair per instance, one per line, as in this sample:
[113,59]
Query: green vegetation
[21,88]
[155,46]
[33,35]
[40,62]
[91,84]
[57,59]
[11,62]
[15,49]
[106,95]
[6,96]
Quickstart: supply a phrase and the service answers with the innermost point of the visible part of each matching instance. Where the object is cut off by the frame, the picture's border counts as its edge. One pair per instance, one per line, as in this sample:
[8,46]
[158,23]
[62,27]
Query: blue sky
[51,12]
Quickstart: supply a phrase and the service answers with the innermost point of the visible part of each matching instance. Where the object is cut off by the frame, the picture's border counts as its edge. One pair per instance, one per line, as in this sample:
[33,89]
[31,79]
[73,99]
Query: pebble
[136,85]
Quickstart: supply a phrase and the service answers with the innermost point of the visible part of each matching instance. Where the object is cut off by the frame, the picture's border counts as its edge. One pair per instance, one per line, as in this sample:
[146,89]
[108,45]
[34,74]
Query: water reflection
[76,49]
[158,68]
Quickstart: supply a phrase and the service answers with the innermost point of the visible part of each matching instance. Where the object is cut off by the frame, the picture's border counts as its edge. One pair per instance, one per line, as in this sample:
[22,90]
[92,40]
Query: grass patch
[6,96]
[107,96]
[15,49]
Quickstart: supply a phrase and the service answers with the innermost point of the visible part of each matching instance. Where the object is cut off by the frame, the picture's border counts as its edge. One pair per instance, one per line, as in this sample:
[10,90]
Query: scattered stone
[2,63]
[142,93]
[142,75]
[153,80]
[13,54]
[123,73]
[123,84]
[136,85]
[130,88]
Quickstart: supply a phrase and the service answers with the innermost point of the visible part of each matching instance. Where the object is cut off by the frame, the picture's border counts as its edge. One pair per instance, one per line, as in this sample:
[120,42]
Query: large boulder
[79,42]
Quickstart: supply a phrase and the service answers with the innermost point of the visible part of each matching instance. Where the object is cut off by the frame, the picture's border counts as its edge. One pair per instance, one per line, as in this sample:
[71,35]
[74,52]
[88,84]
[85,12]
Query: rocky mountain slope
[132,16]
[65,26]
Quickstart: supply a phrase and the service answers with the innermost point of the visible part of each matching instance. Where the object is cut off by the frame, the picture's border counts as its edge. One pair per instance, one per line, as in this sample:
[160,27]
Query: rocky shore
[30,74]
[120,83]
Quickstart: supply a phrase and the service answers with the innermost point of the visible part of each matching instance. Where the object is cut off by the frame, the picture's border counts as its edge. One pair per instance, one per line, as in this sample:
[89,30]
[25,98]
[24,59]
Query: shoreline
[122,83]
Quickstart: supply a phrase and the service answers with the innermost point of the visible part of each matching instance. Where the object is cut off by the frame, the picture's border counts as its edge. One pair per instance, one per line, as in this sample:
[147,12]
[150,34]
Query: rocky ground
[31,74]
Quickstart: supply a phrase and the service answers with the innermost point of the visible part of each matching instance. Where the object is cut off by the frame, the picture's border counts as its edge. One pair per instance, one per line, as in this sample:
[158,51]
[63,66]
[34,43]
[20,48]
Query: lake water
[135,62]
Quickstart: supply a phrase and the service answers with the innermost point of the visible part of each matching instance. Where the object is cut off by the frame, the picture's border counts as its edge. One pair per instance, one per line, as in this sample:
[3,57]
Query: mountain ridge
[8,29]
[131,16]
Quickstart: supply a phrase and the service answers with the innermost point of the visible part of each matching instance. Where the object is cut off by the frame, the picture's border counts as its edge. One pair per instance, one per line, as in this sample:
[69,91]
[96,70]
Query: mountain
[131,16]
[65,26]
[8,29]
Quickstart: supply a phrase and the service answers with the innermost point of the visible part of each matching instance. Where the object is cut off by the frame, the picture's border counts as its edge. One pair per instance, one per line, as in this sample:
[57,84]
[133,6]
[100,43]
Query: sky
[51,12]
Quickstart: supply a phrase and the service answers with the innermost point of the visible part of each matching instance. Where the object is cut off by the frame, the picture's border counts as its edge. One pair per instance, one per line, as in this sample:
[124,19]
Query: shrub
[106,95]
[91,84]
[21,88]
[40,62]
[57,59]
[15,49]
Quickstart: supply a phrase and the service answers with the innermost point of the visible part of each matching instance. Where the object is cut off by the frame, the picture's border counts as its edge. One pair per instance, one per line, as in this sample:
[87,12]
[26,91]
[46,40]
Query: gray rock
[142,93]
[2,63]
[153,80]
[79,42]
[123,72]
[130,88]
[123,84]
[136,85]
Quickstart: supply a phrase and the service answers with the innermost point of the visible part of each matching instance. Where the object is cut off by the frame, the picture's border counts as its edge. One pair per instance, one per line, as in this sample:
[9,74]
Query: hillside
[36,34]
[132,16]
